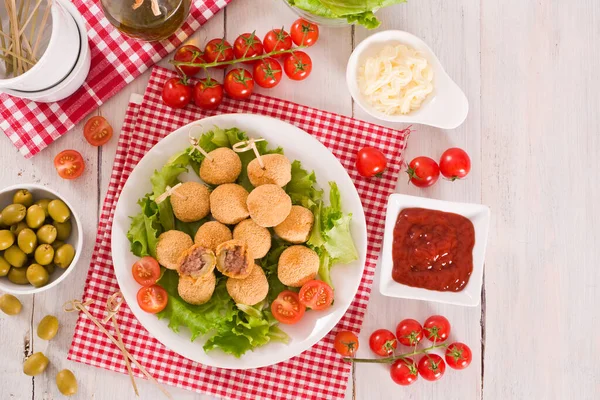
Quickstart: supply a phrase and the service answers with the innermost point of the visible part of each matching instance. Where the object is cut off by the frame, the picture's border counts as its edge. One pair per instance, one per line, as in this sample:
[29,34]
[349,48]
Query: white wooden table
[530,72]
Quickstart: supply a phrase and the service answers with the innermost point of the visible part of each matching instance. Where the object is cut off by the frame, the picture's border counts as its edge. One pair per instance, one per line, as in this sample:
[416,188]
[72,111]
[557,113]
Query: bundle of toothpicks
[20,37]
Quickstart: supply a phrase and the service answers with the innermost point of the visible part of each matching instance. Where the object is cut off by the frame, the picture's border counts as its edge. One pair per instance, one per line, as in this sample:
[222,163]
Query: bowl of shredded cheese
[394,76]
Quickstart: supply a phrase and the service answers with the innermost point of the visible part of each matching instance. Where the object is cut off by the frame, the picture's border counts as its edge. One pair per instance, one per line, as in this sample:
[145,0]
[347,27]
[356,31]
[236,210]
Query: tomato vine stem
[389,360]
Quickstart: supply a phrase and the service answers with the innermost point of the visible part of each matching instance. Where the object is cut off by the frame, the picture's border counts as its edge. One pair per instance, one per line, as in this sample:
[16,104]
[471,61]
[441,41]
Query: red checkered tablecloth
[116,61]
[318,373]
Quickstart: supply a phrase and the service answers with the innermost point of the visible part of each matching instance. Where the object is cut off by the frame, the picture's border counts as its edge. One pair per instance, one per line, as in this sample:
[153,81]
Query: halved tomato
[97,131]
[286,308]
[316,295]
[69,164]
[152,299]
[146,271]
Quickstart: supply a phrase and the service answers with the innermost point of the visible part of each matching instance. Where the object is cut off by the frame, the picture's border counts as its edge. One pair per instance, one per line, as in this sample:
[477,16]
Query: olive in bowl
[40,239]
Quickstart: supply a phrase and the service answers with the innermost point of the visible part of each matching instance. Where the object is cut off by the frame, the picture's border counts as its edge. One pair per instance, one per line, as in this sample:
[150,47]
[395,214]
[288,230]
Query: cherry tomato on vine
[146,271]
[267,72]
[346,343]
[383,342]
[370,162]
[409,332]
[277,40]
[431,367]
[218,50]
[208,94]
[297,65]
[189,53]
[69,164]
[177,93]
[97,131]
[304,33]
[423,171]
[238,84]
[458,355]
[455,163]
[404,372]
[436,328]
[286,308]
[152,299]
[316,295]
[247,45]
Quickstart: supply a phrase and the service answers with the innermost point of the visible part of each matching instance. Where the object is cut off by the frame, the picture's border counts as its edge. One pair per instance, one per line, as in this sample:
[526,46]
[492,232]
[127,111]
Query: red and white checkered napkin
[318,373]
[116,61]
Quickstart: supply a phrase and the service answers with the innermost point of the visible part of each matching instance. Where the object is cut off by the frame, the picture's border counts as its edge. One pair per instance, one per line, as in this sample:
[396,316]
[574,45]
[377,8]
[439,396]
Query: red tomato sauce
[433,249]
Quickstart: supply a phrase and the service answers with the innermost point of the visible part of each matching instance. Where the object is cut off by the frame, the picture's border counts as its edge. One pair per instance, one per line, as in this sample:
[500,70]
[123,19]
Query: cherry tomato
[176,93]
[218,50]
[383,342]
[69,164]
[267,73]
[239,84]
[404,372]
[423,171]
[247,45]
[431,367]
[286,308]
[458,355]
[297,66]
[152,299]
[189,53]
[346,343]
[304,33]
[97,131]
[409,332]
[316,295]
[370,162]
[277,40]
[455,163]
[208,94]
[146,271]
[436,328]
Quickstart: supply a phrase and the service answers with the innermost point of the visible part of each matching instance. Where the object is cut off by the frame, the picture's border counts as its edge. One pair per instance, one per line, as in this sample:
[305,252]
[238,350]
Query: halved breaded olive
[48,327]
[63,230]
[44,254]
[15,256]
[66,382]
[37,275]
[64,256]
[18,276]
[59,211]
[27,241]
[35,216]
[35,364]
[47,234]
[7,239]
[18,227]
[10,305]
[13,214]
[44,204]
[4,266]
[50,268]
[56,244]
[23,196]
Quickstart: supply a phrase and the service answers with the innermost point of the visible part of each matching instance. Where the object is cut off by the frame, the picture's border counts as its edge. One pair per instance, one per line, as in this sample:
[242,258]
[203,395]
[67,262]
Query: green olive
[44,254]
[17,228]
[63,230]
[56,244]
[18,276]
[4,266]
[64,256]
[37,275]
[15,256]
[59,211]
[50,268]
[27,241]
[48,327]
[35,364]
[44,204]
[47,234]
[66,382]
[10,305]
[24,197]
[13,214]
[35,216]
[7,239]
[2,224]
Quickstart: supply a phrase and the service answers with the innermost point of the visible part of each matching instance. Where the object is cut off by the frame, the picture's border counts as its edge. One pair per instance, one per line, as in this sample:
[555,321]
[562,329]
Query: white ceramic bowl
[478,214]
[446,108]
[76,238]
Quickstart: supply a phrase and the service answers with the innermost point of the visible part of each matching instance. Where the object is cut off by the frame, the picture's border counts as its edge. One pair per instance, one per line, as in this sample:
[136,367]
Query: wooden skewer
[241,147]
[14,25]
[35,8]
[41,30]
[17,56]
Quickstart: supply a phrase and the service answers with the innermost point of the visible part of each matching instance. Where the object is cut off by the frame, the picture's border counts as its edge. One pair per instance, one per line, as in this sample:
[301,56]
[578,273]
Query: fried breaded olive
[197,290]
[197,261]
[10,305]
[63,230]
[44,204]
[4,266]
[171,244]
[269,205]
[250,290]
[257,238]
[228,203]
[17,228]
[37,275]
[15,256]
[297,265]
[27,241]
[64,255]
[7,239]
[47,234]
[18,276]
[35,364]
[234,260]
[35,216]
[277,170]
[211,234]
[66,382]
[191,202]
[44,254]
[222,165]
[13,214]
[48,327]
[23,196]
[297,226]
[59,211]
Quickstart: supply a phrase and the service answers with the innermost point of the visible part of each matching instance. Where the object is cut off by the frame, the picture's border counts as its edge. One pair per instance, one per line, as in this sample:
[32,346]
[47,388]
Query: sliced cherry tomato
[152,299]
[247,45]
[370,162]
[97,131]
[409,332]
[208,94]
[436,328]
[218,50]
[346,343]
[146,271]
[431,367]
[304,33]
[69,164]
[239,84]
[297,66]
[189,53]
[404,372]
[177,93]
[286,308]
[383,342]
[458,355]
[277,40]
[267,72]
[423,171]
[455,163]
[316,295]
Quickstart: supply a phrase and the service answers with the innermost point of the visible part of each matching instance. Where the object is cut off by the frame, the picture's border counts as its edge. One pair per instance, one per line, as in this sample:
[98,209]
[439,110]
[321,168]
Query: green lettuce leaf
[145,228]
[168,176]
[302,188]
[269,265]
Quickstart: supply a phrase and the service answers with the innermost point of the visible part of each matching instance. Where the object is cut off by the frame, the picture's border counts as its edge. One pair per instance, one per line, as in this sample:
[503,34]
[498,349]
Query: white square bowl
[478,214]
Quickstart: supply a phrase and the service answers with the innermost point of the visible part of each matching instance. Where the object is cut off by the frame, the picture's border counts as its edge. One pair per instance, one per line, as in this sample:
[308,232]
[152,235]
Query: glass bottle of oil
[147,20]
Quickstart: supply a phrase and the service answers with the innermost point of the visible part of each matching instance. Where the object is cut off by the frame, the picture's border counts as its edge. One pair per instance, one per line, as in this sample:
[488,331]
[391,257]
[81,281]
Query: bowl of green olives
[40,239]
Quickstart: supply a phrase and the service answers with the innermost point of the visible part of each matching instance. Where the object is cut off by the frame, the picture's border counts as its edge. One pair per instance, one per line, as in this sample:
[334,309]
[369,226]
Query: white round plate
[297,145]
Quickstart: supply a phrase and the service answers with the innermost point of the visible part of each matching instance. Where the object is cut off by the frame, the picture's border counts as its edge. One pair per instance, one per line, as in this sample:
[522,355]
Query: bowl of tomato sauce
[434,250]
